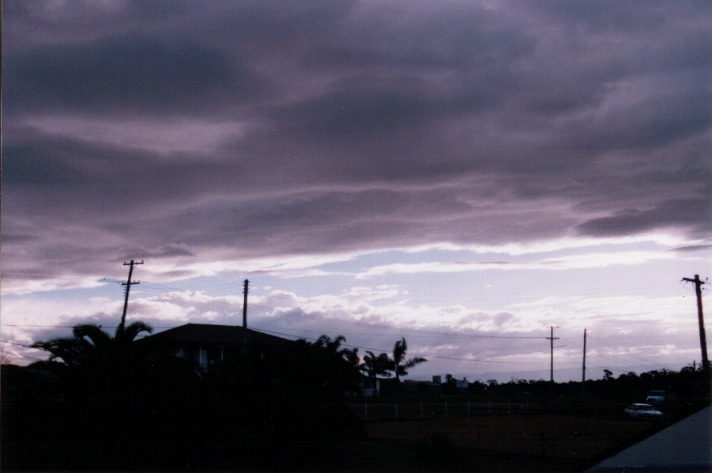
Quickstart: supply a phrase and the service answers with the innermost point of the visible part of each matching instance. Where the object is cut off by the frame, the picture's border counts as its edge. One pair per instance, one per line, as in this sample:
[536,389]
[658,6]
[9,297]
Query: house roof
[212,334]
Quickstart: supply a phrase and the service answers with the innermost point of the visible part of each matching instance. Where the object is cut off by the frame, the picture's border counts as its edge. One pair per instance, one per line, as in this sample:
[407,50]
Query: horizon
[462,174]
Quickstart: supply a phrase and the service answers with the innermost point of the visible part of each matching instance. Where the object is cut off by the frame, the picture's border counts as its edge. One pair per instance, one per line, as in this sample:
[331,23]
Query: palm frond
[92,333]
[70,350]
[129,333]
[414,362]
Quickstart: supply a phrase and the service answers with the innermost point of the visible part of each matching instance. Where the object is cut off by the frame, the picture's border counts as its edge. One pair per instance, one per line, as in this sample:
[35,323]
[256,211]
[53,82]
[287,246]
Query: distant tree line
[688,386]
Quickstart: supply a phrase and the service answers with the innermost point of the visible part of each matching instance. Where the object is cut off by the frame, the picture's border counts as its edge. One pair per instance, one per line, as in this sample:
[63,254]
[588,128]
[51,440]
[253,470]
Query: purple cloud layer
[322,127]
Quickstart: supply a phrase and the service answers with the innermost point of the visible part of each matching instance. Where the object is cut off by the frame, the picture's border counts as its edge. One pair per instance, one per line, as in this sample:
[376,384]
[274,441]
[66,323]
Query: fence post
[396,411]
[421,410]
[365,411]
[468,408]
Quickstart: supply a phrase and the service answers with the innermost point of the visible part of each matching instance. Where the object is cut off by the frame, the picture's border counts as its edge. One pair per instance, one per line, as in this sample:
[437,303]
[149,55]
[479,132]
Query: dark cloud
[138,75]
[170,250]
[652,123]
[692,248]
[324,127]
[695,213]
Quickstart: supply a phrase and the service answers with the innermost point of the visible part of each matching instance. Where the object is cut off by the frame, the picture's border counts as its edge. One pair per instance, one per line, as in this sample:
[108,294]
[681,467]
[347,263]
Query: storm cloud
[223,130]
[334,142]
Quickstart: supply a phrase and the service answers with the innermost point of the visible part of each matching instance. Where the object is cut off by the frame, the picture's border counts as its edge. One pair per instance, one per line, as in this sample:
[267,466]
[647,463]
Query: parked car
[655,397]
[643,411]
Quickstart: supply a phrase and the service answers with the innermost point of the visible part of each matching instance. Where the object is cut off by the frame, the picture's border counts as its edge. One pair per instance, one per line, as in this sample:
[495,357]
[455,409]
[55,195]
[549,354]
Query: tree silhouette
[101,372]
[324,363]
[376,365]
[399,364]
[91,347]
[333,347]
[118,396]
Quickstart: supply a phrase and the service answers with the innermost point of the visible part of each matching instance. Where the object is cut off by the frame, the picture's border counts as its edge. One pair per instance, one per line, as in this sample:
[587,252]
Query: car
[655,397]
[643,411]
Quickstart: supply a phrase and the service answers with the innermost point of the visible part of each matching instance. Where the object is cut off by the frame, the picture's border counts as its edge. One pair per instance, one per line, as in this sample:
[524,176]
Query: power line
[72,326]
[16,344]
[646,363]
[431,332]
[622,289]
[417,354]
[36,326]
[431,356]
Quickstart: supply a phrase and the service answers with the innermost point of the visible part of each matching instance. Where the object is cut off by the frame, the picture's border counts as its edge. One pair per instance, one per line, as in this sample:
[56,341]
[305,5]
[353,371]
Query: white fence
[370,411]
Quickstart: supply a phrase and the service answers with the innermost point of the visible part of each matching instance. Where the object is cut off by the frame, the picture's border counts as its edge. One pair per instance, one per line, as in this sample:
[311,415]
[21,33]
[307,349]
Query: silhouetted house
[207,345]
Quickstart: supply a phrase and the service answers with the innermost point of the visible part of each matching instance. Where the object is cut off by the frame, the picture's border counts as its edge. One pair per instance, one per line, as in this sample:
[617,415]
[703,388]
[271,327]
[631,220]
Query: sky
[474,176]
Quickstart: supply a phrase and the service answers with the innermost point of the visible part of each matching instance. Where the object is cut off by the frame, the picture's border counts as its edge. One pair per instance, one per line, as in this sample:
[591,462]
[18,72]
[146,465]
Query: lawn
[522,443]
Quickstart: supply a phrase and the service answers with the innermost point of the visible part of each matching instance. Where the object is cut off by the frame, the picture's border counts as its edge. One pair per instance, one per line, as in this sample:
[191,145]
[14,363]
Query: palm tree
[333,346]
[399,364]
[90,345]
[125,334]
[112,392]
[333,365]
[375,366]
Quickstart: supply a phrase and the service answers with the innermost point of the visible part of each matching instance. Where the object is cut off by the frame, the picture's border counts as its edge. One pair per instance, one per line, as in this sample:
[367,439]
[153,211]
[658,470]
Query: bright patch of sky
[462,309]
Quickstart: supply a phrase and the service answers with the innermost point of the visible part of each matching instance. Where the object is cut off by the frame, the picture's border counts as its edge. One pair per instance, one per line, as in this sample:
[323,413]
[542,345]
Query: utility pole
[552,338]
[128,285]
[583,371]
[700,319]
[244,304]
[583,374]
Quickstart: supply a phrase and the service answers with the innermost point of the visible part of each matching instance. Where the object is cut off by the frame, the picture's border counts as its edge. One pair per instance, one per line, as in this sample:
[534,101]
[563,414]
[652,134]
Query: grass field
[516,443]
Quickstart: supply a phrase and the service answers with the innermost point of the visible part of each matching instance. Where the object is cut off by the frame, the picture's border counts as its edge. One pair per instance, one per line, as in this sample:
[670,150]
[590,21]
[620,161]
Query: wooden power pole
[583,371]
[552,338]
[700,320]
[128,285]
[244,303]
